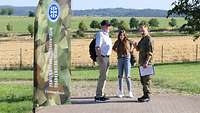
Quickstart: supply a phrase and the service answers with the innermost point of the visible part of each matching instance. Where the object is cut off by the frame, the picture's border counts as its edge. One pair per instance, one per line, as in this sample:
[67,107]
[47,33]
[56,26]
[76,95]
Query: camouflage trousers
[146,82]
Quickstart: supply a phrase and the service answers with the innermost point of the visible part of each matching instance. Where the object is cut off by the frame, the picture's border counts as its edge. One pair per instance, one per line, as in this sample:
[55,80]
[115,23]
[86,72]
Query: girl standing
[123,47]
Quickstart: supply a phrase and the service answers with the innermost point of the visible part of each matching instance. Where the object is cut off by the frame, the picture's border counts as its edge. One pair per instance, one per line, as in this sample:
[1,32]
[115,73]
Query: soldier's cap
[105,23]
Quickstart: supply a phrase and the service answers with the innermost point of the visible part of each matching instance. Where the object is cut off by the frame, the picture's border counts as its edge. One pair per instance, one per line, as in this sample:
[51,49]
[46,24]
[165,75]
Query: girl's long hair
[124,41]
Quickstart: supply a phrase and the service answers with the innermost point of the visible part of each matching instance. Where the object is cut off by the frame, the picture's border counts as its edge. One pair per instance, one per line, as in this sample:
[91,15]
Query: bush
[172,23]
[30,29]
[123,26]
[143,23]
[95,24]
[153,22]
[80,33]
[134,23]
[31,14]
[114,22]
[9,27]
[82,26]
[112,34]
[74,36]
[10,11]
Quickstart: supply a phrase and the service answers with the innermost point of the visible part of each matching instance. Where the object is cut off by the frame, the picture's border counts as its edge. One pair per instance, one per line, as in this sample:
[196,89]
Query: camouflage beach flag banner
[52,53]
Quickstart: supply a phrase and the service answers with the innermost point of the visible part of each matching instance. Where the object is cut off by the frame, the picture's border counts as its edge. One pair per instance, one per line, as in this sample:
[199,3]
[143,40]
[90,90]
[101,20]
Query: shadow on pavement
[90,100]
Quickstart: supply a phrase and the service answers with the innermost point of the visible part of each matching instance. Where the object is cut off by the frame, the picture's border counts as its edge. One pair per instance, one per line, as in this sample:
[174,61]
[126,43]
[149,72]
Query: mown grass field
[16,75]
[20,23]
[16,98]
[181,77]
[186,75]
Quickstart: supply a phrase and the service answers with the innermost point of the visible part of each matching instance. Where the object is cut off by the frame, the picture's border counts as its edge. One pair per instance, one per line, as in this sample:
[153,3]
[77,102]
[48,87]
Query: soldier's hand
[145,65]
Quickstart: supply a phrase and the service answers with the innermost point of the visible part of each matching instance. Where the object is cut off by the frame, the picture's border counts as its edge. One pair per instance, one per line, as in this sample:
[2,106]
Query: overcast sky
[96,4]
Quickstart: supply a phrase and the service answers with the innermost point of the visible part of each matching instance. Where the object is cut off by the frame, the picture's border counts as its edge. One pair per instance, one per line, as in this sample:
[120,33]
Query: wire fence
[174,54]
[164,53]
[23,58]
[16,59]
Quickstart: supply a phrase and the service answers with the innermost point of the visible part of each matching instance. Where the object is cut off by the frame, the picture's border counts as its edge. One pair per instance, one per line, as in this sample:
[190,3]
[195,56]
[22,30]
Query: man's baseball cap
[105,23]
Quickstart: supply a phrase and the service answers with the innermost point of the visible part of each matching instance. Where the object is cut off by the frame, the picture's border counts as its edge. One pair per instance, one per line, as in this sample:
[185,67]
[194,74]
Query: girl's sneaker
[120,94]
[130,95]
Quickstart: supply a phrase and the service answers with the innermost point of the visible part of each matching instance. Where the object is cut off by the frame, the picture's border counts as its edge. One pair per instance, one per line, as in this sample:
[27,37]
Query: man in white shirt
[103,49]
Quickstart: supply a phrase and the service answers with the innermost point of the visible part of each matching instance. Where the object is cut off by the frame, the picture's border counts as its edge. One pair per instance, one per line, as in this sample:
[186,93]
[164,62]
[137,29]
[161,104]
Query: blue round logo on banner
[54,12]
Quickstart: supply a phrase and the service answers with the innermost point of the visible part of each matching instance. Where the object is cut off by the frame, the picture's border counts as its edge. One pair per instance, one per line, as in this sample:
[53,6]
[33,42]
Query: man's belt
[105,55]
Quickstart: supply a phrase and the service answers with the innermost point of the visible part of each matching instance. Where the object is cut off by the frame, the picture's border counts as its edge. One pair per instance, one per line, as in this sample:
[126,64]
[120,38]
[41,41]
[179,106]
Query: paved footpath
[159,104]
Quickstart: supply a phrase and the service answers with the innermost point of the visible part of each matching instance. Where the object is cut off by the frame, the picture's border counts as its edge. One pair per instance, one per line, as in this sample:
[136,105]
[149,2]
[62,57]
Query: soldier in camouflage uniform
[52,53]
[145,49]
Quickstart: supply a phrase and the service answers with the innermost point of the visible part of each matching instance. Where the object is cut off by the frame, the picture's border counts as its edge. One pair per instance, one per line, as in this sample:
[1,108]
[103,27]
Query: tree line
[122,12]
[122,25]
[6,11]
[11,11]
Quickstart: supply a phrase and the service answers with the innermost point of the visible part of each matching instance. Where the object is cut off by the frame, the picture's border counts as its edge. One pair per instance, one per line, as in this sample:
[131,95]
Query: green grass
[176,76]
[20,23]
[89,74]
[16,75]
[15,92]
[16,98]
[17,107]
[183,77]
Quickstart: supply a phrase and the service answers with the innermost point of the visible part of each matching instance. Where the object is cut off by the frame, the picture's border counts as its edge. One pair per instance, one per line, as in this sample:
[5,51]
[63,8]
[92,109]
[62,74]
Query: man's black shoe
[105,98]
[96,99]
[101,99]
[144,99]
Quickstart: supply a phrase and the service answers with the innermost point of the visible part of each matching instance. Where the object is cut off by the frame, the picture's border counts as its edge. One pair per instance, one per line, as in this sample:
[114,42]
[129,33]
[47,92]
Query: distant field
[166,50]
[20,23]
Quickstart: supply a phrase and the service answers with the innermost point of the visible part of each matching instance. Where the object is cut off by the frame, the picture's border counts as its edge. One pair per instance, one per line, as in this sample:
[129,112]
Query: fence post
[162,54]
[20,60]
[197,51]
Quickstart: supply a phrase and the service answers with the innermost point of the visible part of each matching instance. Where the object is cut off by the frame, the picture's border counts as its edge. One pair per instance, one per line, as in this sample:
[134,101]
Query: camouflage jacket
[145,49]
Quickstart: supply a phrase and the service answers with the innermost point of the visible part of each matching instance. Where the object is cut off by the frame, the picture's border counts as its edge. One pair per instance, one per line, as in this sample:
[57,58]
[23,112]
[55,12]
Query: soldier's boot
[144,98]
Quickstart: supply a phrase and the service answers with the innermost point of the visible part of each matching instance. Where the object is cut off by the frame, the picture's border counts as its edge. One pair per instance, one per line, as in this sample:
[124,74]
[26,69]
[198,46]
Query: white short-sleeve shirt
[104,42]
